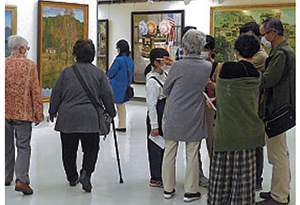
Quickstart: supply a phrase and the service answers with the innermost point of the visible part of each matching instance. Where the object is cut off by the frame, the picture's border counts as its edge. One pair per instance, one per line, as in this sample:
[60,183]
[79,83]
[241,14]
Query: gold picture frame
[225,22]
[10,24]
[60,25]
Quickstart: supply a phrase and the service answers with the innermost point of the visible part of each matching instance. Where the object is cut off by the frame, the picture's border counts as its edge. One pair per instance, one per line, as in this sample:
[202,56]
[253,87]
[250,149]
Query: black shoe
[121,129]
[74,183]
[85,181]
[169,195]
[267,196]
[7,183]
[188,197]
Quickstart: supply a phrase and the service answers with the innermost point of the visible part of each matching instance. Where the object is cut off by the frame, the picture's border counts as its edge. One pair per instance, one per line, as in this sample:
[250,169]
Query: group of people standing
[244,92]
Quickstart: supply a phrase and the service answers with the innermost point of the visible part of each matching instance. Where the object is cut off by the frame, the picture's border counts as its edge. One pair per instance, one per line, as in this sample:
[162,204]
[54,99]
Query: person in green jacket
[238,129]
[279,90]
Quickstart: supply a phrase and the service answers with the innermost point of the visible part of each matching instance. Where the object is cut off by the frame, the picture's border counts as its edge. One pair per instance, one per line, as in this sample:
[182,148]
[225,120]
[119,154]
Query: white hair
[194,40]
[15,42]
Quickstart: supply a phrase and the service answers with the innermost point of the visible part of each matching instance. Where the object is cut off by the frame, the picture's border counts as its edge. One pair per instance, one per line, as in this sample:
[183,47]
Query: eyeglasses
[266,33]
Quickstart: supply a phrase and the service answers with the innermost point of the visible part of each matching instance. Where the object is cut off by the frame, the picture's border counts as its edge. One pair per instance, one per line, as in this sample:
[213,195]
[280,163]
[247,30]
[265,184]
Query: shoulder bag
[104,118]
[284,118]
[129,91]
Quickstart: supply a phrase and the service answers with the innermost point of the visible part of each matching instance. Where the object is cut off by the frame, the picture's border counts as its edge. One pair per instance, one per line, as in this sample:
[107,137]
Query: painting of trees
[60,26]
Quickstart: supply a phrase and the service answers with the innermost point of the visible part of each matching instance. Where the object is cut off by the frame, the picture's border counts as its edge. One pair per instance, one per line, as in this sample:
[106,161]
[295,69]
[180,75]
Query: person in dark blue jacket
[120,79]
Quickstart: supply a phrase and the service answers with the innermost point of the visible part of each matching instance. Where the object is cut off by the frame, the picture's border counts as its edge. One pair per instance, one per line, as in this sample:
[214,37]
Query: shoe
[267,196]
[74,183]
[203,181]
[270,201]
[7,183]
[85,181]
[156,183]
[188,197]
[121,129]
[25,188]
[169,195]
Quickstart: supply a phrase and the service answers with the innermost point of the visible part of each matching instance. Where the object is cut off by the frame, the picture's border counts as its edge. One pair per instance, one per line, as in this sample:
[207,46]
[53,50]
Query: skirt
[232,178]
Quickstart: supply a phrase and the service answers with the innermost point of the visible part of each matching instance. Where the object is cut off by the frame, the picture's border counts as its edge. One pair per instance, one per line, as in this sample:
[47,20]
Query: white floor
[50,185]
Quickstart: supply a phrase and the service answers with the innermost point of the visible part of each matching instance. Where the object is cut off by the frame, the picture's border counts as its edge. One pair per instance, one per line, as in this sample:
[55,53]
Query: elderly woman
[184,114]
[238,130]
[23,105]
[77,117]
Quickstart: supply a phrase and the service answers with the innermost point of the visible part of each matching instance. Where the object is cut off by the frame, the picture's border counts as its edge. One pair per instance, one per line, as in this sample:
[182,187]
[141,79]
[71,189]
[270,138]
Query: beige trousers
[121,109]
[278,156]
[192,166]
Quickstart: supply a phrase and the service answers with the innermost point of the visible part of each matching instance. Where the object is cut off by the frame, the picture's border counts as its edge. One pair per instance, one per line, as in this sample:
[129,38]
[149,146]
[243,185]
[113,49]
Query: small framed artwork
[10,25]
[103,39]
[154,29]
[226,21]
[60,25]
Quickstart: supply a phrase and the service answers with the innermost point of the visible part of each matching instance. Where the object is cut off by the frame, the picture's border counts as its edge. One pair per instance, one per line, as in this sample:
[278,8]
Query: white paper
[159,140]
[208,99]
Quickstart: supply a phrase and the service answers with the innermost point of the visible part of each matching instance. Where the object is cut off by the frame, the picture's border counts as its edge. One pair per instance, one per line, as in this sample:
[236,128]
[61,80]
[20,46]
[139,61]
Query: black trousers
[259,152]
[155,153]
[90,148]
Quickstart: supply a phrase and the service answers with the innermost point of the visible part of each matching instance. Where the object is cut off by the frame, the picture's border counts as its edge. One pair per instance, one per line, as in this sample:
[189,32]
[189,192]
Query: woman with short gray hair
[184,114]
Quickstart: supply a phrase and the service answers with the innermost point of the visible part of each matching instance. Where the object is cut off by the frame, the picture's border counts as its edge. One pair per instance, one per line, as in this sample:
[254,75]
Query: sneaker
[156,183]
[188,197]
[169,195]
[267,196]
[203,181]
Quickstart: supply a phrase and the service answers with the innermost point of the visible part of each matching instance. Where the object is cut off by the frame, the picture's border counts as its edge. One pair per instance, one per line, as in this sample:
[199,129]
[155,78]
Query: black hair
[84,51]
[210,44]
[273,24]
[247,45]
[124,47]
[251,26]
[154,54]
[186,28]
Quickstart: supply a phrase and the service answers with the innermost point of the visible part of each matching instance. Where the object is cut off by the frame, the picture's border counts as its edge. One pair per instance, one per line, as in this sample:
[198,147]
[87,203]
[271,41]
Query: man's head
[251,27]
[271,31]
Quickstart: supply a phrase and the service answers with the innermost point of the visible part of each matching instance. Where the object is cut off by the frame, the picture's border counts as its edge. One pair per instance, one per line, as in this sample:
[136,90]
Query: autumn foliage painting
[60,26]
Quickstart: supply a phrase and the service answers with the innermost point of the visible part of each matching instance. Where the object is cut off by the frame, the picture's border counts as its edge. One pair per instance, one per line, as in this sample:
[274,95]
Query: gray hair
[194,40]
[15,42]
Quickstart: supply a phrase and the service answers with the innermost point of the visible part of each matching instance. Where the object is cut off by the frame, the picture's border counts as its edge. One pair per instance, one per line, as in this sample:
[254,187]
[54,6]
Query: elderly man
[23,105]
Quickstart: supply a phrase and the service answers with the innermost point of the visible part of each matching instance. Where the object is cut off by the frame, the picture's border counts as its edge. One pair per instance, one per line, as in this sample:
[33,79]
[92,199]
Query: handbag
[104,119]
[281,121]
[284,118]
[129,90]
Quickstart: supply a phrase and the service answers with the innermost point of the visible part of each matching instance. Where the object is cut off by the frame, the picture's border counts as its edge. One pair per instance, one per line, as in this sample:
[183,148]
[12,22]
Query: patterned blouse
[23,99]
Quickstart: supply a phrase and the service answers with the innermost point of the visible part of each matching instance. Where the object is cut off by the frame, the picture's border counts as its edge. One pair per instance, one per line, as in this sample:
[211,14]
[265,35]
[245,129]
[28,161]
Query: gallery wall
[27,21]
[197,13]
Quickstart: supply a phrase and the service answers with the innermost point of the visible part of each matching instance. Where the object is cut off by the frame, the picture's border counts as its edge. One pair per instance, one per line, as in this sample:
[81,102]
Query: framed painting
[102,51]
[154,29]
[10,25]
[225,23]
[60,25]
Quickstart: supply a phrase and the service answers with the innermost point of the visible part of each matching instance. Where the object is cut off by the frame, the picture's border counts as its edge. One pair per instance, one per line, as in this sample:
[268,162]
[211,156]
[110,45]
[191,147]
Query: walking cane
[117,151]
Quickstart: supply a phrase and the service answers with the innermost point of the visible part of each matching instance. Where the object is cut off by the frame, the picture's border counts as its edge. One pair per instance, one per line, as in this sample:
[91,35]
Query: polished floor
[51,188]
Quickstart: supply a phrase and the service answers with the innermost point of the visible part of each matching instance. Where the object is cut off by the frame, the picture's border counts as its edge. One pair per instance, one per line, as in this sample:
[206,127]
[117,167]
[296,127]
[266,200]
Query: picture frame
[225,23]
[153,29]
[60,25]
[10,25]
[103,40]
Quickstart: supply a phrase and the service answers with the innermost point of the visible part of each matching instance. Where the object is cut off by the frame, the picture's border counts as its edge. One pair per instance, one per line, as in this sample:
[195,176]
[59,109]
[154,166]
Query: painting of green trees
[61,28]
[226,23]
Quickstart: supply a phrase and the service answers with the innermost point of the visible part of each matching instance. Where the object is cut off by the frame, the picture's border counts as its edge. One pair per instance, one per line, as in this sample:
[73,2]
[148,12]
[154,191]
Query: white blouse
[154,92]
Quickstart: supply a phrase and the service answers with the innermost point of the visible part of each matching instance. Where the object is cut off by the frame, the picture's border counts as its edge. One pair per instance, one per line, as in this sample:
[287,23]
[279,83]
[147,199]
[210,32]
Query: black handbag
[281,121]
[104,119]
[284,118]
[129,91]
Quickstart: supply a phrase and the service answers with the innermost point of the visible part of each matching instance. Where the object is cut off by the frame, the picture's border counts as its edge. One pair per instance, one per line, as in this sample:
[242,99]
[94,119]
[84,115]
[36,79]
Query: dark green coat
[276,79]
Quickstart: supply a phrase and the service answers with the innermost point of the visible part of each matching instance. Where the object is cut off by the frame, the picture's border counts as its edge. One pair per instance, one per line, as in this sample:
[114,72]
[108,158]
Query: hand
[208,104]
[166,59]
[154,132]
[210,84]
[51,117]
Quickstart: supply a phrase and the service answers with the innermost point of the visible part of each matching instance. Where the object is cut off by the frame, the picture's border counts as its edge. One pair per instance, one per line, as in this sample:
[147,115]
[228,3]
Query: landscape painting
[10,25]
[227,20]
[60,26]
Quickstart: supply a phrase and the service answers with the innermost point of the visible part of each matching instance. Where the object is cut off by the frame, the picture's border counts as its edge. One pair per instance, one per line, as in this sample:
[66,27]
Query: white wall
[27,17]
[197,13]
